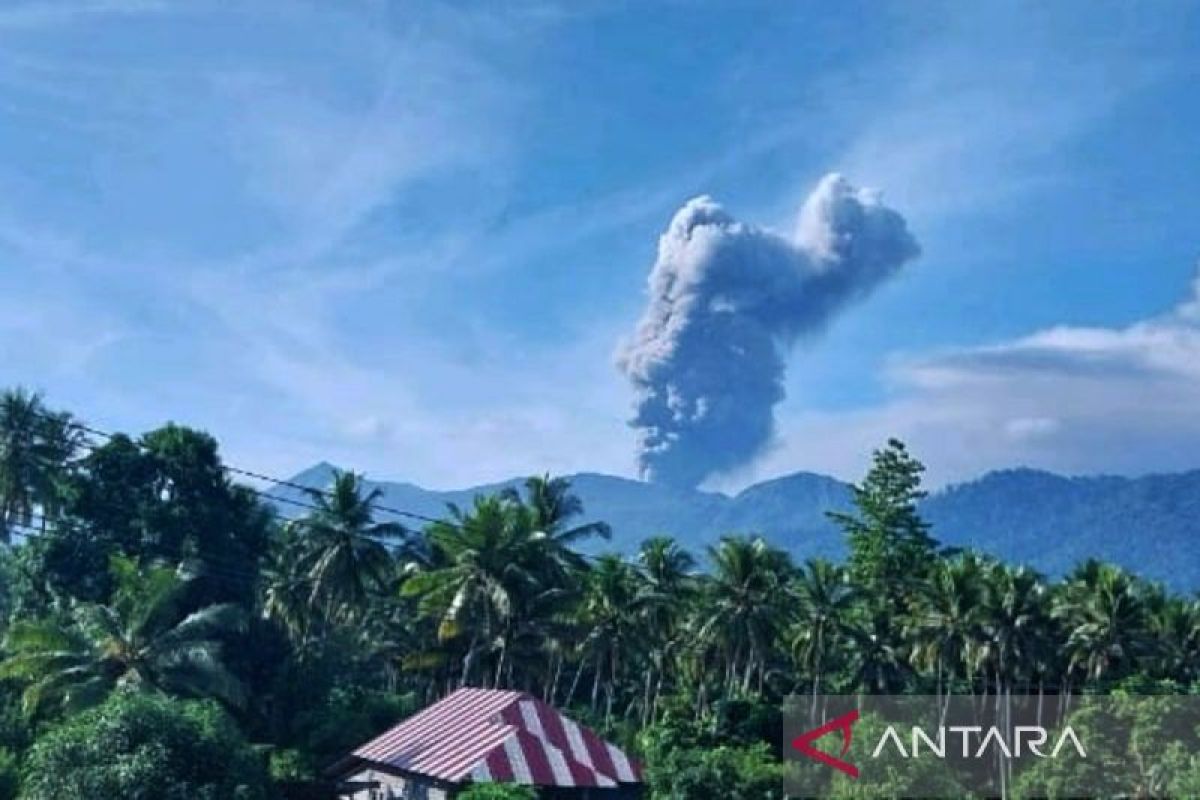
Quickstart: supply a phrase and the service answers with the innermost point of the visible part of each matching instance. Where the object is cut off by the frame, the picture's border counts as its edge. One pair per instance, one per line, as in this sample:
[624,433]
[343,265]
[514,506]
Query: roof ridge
[457,737]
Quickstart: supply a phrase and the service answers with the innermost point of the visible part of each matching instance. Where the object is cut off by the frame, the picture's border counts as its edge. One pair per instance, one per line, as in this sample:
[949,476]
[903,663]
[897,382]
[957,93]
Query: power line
[232,576]
[115,507]
[43,527]
[247,473]
[271,498]
[210,567]
[226,569]
[48,524]
[276,499]
[205,566]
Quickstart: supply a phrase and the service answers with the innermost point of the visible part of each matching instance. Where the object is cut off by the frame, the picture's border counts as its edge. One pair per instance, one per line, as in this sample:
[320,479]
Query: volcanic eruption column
[727,302]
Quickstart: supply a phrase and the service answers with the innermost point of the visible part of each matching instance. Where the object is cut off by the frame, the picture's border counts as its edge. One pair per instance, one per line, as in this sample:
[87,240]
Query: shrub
[348,717]
[291,765]
[148,747]
[892,774]
[685,764]
[731,773]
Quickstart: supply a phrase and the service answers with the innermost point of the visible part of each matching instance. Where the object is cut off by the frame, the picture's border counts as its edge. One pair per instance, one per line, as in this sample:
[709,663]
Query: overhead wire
[256,475]
[274,498]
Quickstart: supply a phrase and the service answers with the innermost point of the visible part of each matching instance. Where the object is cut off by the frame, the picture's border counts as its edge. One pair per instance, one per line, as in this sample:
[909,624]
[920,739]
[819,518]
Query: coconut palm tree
[36,446]
[287,590]
[668,588]
[503,570]
[533,646]
[611,611]
[554,505]
[826,605]
[552,508]
[1014,626]
[345,555]
[1174,624]
[879,660]
[749,605]
[21,415]
[667,566]
[145,639]
[1101,609]
[945,622]
[481,561]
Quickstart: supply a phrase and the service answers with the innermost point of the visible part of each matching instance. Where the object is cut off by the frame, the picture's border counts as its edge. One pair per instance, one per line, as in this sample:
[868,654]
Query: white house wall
[399,788]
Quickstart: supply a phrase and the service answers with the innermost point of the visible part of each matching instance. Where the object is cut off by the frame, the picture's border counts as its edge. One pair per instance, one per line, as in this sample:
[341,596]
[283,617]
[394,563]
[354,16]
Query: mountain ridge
[1149,524]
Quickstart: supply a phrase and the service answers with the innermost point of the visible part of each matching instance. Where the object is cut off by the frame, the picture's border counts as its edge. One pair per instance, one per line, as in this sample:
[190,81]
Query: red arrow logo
[803,743]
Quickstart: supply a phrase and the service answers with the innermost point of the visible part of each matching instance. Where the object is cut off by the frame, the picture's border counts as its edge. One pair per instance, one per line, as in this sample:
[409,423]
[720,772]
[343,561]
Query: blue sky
[408,237]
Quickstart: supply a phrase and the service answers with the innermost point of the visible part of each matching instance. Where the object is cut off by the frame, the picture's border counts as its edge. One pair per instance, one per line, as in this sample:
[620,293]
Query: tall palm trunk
[658,689]
[596,675]
[551,693]
[611,688]
[647,688]
[498,678]
[575,683]
[469,661]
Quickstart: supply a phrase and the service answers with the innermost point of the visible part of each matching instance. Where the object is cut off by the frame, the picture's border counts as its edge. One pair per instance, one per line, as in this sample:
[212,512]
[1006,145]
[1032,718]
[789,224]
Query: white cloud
[1031,427]
[1073,399]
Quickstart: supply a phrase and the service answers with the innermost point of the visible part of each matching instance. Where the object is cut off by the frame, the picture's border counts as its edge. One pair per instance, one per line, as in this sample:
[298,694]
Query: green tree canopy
[35,447]
[498,791]
[168,496]
[147,638]
[890,545]
[342,553]
[149,748]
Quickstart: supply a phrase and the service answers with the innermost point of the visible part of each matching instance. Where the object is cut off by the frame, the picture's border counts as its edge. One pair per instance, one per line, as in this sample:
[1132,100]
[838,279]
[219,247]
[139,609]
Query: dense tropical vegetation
[159,617]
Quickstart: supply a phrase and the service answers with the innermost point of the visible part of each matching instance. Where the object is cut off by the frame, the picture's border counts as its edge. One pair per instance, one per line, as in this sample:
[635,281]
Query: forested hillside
[1050,522]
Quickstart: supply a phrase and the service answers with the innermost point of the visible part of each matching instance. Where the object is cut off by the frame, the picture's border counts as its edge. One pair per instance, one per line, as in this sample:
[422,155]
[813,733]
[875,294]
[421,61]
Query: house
[482,735]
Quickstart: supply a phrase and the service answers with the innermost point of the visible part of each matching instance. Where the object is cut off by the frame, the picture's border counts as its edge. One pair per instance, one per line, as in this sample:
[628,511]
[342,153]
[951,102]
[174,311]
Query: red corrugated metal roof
[485,735]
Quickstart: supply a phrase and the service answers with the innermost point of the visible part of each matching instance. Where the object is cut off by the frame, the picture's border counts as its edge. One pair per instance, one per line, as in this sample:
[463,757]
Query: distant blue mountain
[1149,524]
